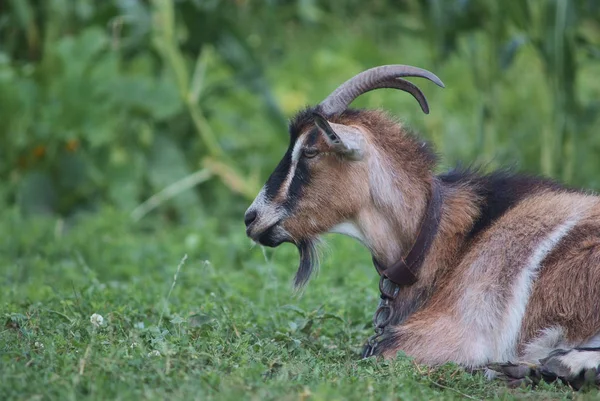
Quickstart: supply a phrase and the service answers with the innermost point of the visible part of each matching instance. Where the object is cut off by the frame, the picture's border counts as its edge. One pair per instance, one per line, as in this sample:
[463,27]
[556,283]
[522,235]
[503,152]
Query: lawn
[194,311]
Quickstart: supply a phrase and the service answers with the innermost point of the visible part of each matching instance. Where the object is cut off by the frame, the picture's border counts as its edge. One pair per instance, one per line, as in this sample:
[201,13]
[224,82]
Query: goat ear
[341,143]
[324,126]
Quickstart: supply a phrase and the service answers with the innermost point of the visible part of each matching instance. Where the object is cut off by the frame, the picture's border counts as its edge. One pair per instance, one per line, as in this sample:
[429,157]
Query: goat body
[511,276]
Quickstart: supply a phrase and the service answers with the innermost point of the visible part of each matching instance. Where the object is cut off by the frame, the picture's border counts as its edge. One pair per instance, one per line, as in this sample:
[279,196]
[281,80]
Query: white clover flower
[133,345]
[153,353]
[38,345]
[97,320]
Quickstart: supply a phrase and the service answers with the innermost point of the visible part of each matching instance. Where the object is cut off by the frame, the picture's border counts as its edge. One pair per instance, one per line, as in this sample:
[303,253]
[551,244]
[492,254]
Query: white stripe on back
[510,327]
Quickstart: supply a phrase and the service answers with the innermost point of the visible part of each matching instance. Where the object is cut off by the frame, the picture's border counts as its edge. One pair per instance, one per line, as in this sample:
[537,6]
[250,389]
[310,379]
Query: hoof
[554,367]
[516,374]
[550,369]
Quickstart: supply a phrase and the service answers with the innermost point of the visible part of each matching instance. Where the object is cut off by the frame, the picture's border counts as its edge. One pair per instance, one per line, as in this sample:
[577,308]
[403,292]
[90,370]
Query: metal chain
[383,315]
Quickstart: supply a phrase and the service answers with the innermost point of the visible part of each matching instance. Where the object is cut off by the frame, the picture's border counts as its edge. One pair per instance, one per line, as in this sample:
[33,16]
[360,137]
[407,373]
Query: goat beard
[309,261]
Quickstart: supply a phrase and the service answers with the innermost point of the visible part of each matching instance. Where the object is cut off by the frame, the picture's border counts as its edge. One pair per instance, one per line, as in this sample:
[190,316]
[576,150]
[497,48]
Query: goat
[498,272]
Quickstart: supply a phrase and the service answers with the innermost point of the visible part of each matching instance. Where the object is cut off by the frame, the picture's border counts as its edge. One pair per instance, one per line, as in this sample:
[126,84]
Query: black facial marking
[300,179]
[312,137]
[300,121]
[278,176]
[273,184]
[268,238]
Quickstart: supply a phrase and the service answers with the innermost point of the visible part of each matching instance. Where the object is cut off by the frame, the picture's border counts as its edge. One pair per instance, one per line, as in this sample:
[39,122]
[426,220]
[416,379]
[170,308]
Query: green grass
[232,328]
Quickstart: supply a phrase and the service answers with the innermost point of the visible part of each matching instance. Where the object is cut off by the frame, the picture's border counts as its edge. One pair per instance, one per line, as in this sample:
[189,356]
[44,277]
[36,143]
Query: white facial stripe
[295,157]
[270,212]
[260,201]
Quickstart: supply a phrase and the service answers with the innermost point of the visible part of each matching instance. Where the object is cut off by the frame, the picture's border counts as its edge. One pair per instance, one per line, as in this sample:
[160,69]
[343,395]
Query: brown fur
[567,291]
[433,335]
[334,180]
[465,305]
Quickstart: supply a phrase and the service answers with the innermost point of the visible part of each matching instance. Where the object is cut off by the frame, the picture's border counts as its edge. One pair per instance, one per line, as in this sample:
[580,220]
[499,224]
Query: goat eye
[310,152]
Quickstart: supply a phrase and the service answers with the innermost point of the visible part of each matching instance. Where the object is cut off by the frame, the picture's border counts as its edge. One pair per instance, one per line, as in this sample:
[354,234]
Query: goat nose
[249,217]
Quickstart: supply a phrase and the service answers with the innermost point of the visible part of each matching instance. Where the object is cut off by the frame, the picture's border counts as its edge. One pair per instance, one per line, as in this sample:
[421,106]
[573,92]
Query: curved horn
[385,76]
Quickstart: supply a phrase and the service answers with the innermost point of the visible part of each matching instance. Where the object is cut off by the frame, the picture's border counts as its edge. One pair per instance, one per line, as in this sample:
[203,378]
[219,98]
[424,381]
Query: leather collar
[404,272]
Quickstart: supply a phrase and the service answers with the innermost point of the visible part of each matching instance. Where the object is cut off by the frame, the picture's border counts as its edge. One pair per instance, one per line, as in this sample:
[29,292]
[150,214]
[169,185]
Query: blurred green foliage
[110,102]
